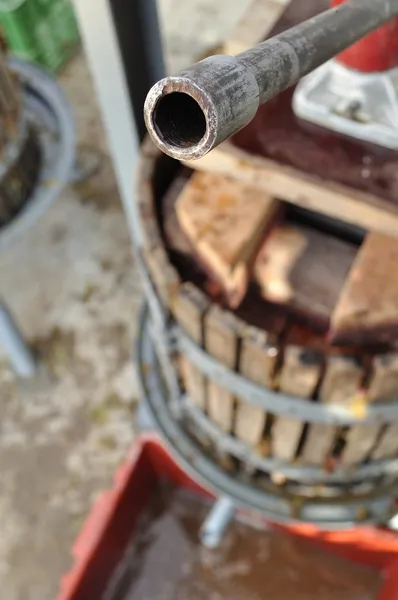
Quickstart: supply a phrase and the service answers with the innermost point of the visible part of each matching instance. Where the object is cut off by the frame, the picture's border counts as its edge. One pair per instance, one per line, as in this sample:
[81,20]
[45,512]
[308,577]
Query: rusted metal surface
[213,100]
[189,114]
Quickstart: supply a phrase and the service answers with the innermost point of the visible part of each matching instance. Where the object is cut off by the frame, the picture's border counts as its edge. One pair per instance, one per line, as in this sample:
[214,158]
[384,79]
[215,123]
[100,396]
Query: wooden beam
[326,197]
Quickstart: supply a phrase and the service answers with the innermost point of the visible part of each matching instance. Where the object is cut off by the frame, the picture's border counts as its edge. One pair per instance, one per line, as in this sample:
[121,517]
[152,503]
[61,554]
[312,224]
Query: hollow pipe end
[181,118]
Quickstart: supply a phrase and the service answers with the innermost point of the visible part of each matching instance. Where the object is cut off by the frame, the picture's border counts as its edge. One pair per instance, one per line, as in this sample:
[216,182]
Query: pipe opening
[179,121]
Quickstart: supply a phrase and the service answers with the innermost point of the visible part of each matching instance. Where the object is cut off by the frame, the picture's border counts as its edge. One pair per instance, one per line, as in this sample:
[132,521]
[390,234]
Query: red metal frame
[107,531]
[374,53]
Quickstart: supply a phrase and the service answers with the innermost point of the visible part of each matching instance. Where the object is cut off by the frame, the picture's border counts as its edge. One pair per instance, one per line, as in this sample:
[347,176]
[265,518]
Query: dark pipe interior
[179,120]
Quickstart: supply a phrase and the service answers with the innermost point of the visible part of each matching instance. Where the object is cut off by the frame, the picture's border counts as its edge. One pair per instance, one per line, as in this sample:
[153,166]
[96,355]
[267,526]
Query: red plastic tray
[104,538]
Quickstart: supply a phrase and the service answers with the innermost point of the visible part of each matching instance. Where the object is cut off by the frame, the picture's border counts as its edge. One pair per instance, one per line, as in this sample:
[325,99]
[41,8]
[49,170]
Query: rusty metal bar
[189,114]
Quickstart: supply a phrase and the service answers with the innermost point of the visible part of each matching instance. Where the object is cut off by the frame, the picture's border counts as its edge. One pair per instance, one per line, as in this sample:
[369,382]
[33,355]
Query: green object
[40,31]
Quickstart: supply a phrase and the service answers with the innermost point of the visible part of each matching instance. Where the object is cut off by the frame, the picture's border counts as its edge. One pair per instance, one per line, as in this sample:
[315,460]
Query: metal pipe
[140,43]
[189,114]
[216,522]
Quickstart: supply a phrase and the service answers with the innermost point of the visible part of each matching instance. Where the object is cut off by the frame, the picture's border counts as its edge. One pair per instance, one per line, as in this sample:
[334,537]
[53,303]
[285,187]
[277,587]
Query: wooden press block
[189,309]
[257,362]
[221,332]
[299,376]
[303,268]
[367,310]
[225,223]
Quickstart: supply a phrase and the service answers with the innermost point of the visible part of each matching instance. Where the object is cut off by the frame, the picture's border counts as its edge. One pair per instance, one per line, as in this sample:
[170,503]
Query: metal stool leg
[18,352]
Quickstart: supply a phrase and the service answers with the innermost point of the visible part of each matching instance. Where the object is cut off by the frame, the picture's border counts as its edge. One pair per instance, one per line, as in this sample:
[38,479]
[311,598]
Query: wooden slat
[360,439]
[189,309]
[368,306]
[318,444]
[336,200]
[387,446]
[194,382]
[341,381]
[163,274]
[304,269]
[175,237]
[383,387]
[300,372]
[299,376]
[255,25]
[145,201]
[340,384]
[150,231]
[221,340]
[257,362]
[225,223]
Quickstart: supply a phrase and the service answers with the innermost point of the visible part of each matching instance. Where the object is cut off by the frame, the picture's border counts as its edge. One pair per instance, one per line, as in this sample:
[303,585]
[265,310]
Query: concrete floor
[76,298]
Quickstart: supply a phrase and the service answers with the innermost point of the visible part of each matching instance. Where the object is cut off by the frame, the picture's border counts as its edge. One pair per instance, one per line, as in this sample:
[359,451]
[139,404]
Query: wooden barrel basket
[299,415]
